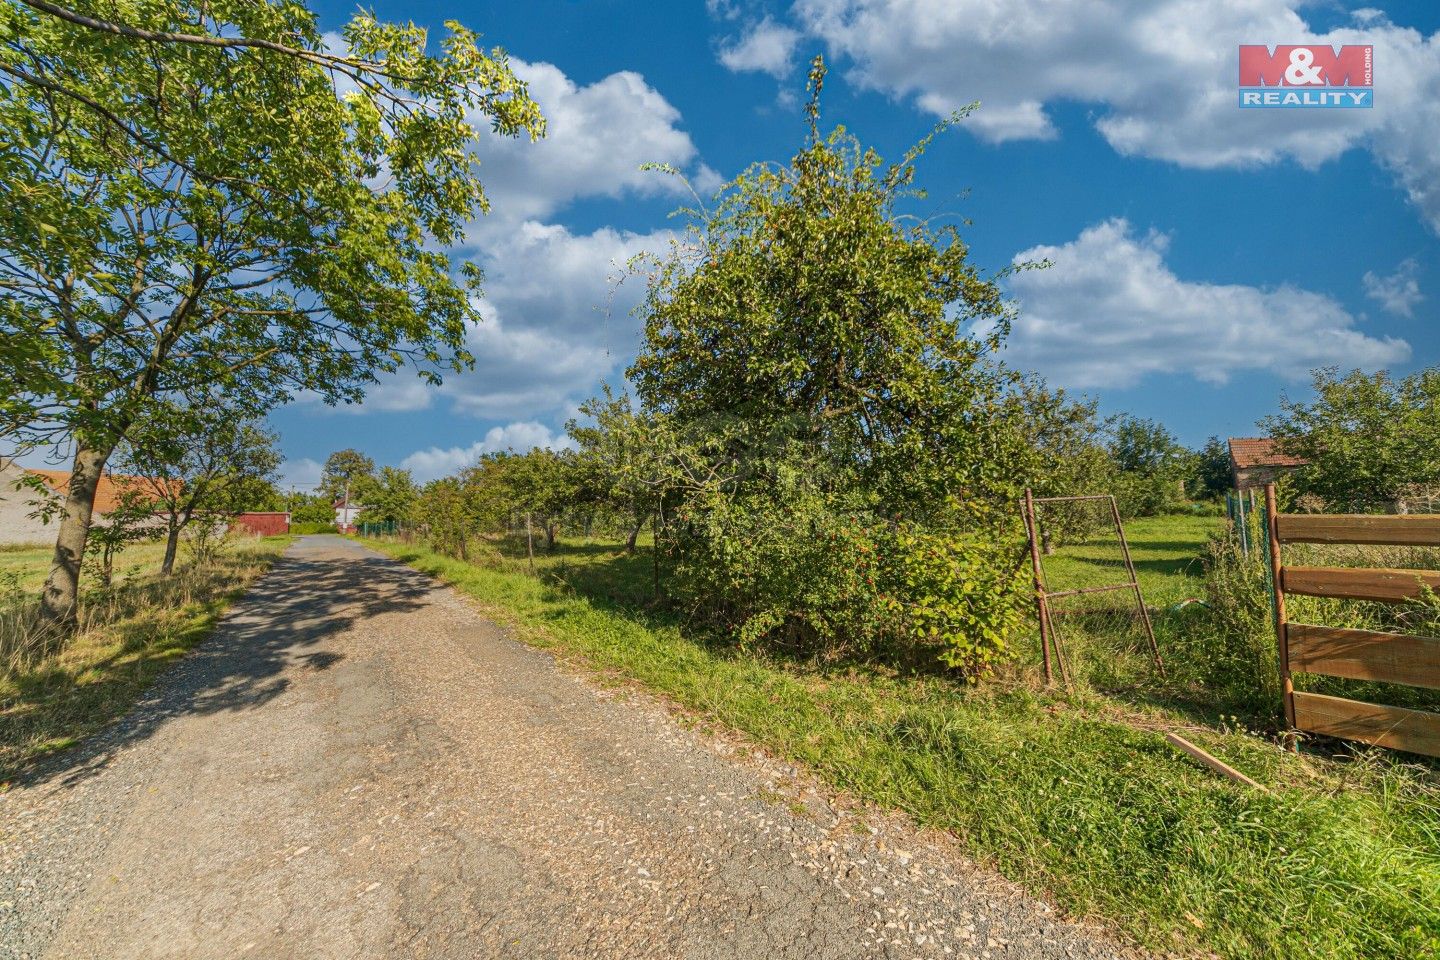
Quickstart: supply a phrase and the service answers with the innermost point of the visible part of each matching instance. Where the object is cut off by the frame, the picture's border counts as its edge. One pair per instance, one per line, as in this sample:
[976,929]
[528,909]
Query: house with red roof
[1256,461]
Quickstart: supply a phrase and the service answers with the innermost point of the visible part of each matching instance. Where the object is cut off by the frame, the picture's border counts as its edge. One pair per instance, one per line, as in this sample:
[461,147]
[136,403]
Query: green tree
[197,464]
[186,203]
[625,461]
[348,472]
[806,304]
[445,513]
[1370,440]
[1152,465]
[393,498]
[1064,455]
[1213,476]
[310,508]
[826,366]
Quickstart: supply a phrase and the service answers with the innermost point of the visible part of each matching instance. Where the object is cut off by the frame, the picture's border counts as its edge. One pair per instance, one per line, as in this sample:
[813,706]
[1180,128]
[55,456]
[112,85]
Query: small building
[18,500]
[261,523]
[346,514]
[1256,461]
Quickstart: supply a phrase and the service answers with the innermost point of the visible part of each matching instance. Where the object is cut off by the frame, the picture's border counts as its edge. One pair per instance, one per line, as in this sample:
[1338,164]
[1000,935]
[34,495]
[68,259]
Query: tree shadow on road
[270,639]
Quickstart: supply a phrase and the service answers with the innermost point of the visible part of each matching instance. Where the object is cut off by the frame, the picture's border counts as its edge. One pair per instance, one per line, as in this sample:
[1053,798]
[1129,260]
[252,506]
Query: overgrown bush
[963,596]
[806,570]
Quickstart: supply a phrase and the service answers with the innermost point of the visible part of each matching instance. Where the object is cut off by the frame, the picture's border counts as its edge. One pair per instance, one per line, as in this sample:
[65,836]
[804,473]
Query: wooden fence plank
[1359,583]
[1413,530]
[1392,727]
[1365,655]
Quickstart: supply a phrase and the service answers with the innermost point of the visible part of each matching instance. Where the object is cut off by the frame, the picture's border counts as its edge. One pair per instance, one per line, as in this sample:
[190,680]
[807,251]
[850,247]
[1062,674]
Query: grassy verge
[1340,860]
[130,633]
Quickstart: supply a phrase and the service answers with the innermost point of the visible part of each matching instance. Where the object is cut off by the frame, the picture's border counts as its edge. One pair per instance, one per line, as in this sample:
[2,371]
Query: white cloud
[436,462]
[557,319]
[1110,312]
[765,47]
[1399,292]
[302,474]
[597,136]
[1163,71]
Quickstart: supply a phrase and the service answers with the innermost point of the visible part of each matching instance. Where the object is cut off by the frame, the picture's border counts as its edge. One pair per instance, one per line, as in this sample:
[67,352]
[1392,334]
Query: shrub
[311,526]
[807,570]
[965,597]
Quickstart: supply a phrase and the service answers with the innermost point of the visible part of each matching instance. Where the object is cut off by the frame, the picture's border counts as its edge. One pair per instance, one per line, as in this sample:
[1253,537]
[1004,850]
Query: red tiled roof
[108,493]
[1249,452]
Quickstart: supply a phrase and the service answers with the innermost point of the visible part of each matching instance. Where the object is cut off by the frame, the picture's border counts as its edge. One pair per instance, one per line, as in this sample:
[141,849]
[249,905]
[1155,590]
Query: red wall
[262,524]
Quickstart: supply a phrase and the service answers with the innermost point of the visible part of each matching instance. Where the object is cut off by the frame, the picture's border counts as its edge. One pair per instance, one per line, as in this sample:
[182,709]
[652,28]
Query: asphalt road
[359,765]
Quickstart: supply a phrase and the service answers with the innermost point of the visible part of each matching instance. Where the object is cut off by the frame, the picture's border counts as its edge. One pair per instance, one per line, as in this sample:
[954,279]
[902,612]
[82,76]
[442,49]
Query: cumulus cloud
[556,322]
[1109,312]
[766,47]
[597,136]
[1398,292]
[1162,71]
[557,319]
[522,436]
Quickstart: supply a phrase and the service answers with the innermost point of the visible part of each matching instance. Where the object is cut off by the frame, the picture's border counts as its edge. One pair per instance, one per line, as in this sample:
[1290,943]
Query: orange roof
[111,488]
[1249,452]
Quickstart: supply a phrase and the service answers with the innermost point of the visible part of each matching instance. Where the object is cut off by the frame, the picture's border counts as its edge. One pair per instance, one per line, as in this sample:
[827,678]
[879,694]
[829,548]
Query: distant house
[345,515]
[1256,461]
[18,500]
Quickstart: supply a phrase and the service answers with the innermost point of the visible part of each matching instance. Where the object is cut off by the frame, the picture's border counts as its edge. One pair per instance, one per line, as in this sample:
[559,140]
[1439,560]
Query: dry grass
[128,634]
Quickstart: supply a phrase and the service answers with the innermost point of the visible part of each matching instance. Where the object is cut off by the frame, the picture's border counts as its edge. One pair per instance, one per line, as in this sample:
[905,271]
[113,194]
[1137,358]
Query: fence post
[1277,586]
[1041,613]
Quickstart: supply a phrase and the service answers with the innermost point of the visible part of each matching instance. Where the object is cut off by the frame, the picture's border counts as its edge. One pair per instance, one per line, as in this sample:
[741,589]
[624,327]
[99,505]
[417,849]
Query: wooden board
[1365,655]
[1414,530]
[1360,583]
[1394,727]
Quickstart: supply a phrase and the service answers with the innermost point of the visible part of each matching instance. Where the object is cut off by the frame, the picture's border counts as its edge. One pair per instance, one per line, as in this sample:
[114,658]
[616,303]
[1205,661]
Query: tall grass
[127,634]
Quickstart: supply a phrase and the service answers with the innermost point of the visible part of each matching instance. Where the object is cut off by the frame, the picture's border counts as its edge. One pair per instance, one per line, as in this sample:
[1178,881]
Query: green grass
[28,566]
[130,634]
[1342,860]
[1165,550]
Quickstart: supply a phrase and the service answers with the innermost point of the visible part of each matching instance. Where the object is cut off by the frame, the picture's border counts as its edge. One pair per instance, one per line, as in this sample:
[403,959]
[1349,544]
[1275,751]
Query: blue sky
[1204,257]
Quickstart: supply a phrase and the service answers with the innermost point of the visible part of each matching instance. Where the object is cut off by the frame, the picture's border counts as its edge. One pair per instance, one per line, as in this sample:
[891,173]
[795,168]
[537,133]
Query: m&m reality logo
[1314,75]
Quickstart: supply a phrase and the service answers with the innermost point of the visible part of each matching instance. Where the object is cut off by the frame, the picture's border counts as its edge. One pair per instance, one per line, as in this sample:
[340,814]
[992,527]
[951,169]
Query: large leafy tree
[1370,440]
[805,305]
[218,196]
[349,473]
[393,498]
[846,447]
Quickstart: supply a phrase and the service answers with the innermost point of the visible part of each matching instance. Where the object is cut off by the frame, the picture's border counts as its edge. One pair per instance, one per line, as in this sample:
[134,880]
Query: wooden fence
[1355,654]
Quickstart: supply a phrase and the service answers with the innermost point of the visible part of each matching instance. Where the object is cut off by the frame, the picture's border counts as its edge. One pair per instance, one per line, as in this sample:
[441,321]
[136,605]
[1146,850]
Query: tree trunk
[59,601]
[172,544]
[550,534]
[634,535]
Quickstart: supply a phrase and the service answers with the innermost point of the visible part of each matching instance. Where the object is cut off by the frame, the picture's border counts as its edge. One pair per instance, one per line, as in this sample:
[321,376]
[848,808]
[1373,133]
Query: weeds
[128,633]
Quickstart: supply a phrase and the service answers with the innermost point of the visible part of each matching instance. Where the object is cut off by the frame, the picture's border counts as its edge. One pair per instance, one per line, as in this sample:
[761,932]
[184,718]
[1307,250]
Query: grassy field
[25,567]
[130,633]
[1165,550]
[1073,794]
